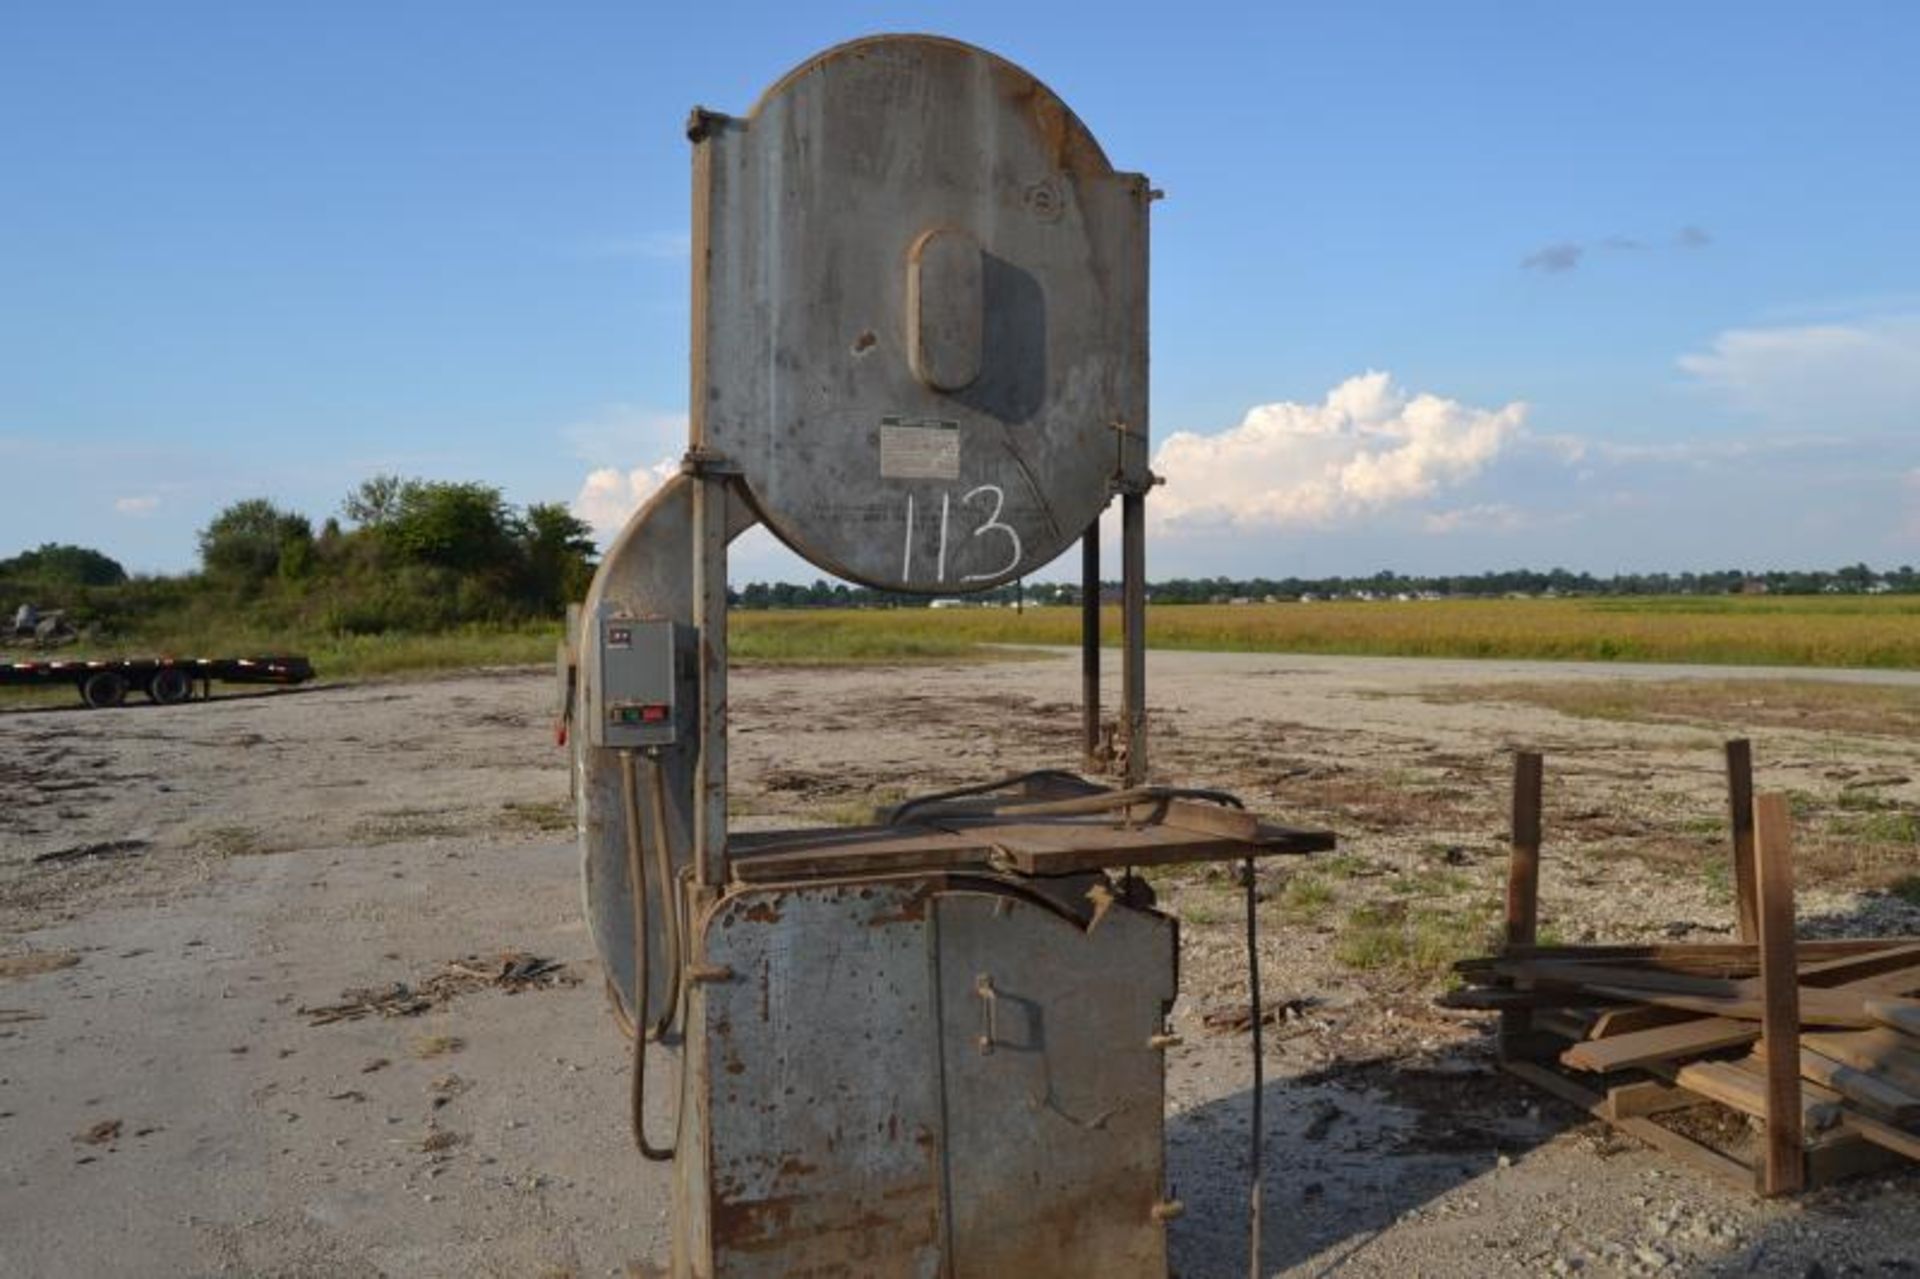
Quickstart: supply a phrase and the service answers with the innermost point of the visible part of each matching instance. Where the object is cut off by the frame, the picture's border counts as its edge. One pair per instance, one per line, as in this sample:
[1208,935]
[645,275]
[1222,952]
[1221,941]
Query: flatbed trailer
[106,681]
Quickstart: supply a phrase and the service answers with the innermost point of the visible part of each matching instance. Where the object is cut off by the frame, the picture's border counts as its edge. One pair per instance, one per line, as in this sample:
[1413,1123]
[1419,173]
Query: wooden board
[1886,1054]
[1870,1092]
[1037,846]
[1620,1021]
[1886,1135]
[1664,1043]
[1739,1086]
[1783,1002]
[773,857]
[1816,1007]
[1710,1034]
[1711,959]
[1746,897]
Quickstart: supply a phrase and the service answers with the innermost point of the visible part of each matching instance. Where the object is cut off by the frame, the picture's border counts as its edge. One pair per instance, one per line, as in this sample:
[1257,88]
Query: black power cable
[1254,1194]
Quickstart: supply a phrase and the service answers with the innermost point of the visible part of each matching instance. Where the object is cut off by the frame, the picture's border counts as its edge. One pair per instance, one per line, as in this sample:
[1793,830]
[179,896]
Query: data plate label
[919,449]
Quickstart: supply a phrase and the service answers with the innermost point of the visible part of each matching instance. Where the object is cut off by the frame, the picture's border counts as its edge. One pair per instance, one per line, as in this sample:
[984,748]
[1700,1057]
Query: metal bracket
[702,122]
[705,463]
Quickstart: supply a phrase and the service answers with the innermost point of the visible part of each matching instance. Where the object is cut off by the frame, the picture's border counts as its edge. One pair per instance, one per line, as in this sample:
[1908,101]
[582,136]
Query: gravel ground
[177,883]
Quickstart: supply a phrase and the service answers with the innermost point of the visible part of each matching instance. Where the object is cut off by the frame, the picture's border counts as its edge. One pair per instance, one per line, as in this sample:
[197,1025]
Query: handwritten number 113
[998,497]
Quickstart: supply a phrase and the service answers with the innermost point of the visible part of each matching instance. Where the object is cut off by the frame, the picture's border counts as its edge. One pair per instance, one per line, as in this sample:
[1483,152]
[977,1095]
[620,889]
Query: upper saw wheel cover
[920,314]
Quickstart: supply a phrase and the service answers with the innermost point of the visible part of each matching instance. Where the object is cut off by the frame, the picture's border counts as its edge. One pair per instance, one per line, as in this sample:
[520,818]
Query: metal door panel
[1054,1093]
[821,1080]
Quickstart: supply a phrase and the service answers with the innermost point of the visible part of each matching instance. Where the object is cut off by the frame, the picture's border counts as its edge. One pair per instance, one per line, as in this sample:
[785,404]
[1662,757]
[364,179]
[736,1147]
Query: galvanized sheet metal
[818,1070]
[646,572]
[910,232]
[854,1124]
[1054,1127]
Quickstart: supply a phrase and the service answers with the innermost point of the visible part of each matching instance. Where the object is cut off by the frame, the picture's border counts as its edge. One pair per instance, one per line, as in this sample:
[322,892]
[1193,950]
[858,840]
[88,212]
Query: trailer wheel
[169,685]
[104,689]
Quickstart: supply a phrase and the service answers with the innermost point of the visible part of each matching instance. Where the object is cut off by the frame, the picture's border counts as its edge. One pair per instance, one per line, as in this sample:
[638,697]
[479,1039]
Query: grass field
[1875,631]
[1879,631]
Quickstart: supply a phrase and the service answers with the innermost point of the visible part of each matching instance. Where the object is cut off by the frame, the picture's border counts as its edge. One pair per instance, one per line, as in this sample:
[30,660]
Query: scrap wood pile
[513,971]
[1818,1041]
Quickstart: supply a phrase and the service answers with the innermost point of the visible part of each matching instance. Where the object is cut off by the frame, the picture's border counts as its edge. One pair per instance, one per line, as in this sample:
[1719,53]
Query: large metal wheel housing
[920,314]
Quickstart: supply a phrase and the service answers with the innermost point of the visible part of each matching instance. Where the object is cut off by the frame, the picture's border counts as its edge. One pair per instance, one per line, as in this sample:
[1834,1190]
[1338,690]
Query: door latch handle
[989,1020]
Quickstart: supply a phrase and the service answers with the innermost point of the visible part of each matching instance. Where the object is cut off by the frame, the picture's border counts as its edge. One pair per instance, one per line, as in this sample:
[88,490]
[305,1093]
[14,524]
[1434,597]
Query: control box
[645,689]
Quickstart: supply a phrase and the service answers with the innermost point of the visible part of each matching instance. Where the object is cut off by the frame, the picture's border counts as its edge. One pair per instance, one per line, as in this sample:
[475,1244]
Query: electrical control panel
[645,691]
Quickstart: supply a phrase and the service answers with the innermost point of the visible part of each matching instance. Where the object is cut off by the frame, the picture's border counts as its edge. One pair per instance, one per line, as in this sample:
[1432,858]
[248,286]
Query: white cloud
[1367,447]
[145,504]
[1851,376]
[609,496]
[612,441]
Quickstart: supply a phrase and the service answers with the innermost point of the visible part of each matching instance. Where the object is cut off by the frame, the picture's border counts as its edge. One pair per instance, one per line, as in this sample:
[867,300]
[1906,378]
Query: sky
[1436,288]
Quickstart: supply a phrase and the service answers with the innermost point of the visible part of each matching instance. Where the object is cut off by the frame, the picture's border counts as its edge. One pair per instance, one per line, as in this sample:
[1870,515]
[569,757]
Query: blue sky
[1637,285]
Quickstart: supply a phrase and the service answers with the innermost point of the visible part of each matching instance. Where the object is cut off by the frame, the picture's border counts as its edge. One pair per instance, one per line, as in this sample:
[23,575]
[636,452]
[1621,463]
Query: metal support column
[1133,631]
[1090,644]
[710,618]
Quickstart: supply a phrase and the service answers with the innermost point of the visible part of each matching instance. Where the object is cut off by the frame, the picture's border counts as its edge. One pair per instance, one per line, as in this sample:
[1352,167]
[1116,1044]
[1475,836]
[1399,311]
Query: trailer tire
[103,689]
[169,685]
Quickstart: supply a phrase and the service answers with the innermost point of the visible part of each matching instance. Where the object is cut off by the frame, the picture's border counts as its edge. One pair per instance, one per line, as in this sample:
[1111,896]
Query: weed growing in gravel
[1305,897]
[1705,827]
[1882,827]
[1200,906]
[1718,872]
[540,815]
[1418,941]
[864,810]
[1803,804]
[1430,883]
[1907,889]
[428,1046]
[234,841]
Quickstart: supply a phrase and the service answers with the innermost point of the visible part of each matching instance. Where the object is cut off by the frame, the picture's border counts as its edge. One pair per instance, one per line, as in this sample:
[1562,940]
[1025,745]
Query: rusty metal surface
[710,536]
[645,570]
[1133,634]
[920,314]
[856,1123]
[1055,1093]
[817,1066]
[1037,846]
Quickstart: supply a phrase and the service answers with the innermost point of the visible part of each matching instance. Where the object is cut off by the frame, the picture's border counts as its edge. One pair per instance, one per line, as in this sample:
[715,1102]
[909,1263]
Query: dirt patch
[414,821]
[34,963]
[1820,706]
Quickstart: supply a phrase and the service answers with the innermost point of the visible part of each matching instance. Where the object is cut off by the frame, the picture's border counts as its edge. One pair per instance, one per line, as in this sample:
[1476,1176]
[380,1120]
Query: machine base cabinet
[953,1076]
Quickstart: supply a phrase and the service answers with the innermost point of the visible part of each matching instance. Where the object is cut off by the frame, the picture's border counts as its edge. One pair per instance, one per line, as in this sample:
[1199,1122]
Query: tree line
[1855,579]
[421,556]
[401,555]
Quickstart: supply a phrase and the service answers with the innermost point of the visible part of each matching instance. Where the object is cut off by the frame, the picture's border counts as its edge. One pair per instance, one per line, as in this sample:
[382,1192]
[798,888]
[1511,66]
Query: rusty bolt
[1167,1209]
[709,972]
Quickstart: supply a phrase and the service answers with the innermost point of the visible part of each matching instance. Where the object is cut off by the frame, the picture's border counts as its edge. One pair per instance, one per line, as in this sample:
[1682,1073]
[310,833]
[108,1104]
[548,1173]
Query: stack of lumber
[1818,1040]
[1660,1028]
